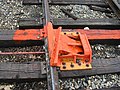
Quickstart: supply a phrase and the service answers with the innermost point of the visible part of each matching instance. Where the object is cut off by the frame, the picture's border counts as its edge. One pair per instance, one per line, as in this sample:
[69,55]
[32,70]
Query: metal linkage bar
[92,34]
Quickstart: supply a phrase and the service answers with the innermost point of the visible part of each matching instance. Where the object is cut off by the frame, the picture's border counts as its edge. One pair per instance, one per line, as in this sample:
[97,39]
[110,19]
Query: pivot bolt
[63,63]
[77,32]
[72,65]
[79,64]
[64,67]
[87,65]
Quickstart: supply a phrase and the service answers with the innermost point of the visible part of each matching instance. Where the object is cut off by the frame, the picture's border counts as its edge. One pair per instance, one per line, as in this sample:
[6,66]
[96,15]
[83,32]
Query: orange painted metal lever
[67,50]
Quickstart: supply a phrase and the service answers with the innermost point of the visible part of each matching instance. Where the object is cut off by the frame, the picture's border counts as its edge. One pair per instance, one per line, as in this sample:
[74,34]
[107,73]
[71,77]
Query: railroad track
[33,61]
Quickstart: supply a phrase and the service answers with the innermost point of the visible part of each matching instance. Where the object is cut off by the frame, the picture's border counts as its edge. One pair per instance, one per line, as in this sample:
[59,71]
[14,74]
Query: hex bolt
[64,67]
[79,64]
[43,32]
[72,65]
[64,33]
[77,32]
[44,68]
[87,65]
[63,63]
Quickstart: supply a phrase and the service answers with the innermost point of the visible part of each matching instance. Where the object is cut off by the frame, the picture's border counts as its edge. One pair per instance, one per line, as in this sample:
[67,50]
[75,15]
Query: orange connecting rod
[35,34]
[101,34]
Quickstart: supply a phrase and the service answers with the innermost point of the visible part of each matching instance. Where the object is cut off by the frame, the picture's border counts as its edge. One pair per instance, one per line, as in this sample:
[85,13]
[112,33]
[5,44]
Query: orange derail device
[67,50]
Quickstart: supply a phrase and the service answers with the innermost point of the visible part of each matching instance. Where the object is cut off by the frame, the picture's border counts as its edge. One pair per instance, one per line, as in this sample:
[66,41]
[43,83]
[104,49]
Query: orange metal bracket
[67,50]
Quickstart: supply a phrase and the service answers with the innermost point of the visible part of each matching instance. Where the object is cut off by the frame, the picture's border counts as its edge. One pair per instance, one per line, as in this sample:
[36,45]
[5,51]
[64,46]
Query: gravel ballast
[12,10]
[80,11]
[22,57]
[10,13]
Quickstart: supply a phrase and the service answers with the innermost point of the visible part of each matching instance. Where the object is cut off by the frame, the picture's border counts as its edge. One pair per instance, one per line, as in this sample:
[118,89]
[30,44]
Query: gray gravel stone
[94,82]
[105,51]
[12,10]
[22,58]
[119,46]
[80,11]
[24,86]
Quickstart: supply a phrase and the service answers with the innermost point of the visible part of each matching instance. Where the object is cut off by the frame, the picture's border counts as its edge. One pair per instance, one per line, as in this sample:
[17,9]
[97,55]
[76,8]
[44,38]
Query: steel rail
[115,6]
[52,74]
